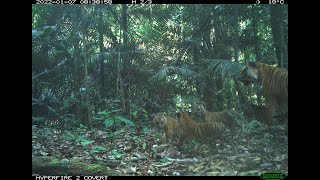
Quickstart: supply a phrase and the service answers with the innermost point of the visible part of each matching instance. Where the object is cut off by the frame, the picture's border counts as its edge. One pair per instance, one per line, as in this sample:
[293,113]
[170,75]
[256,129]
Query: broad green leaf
[38,118]
[144,145]
[155,150]
[100,148]
[35,101]
[108,112]
[124,120]
[134,113]
[37,33]
[119,131]
[118,155]
[86,142]
[253,124]
[103,113]
[145,129]
[80,138]
[52,110]
[108,122]
[69,135]
[111,157]
[94,151]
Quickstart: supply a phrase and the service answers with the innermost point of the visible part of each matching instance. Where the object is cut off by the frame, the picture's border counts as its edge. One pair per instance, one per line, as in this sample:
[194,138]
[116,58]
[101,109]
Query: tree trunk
[218,95]
[208,94]
[101,47]
[87,88]
[256,45]
[242,97]
[76,79]
[126,62]
[277,28]
[236,27]
[256,37]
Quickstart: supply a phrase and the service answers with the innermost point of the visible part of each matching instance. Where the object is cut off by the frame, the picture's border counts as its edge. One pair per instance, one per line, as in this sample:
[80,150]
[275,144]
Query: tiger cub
[187,129]
[226,117]
[167,123]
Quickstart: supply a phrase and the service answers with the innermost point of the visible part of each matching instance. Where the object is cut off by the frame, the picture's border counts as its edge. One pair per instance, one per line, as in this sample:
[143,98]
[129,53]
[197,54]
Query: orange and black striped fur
[274,81]
[226,117]
[167,123]
[205,132]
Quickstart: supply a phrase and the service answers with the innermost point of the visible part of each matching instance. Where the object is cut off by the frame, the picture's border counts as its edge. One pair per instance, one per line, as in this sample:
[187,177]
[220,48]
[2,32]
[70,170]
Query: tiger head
[199,108]
[250,73]
[158,120]
[163,122]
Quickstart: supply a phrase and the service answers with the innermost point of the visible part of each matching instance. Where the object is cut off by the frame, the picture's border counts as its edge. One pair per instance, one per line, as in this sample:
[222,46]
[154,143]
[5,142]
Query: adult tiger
[167,123]
[274,81]
[226,117]
[204,132]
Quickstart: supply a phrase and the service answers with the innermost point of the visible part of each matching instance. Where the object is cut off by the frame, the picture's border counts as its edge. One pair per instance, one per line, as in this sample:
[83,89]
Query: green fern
[166,71]
[226,68]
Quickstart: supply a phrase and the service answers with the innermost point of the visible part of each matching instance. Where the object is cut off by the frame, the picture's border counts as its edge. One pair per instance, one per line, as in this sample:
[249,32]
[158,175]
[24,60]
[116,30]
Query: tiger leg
[167,136]
[268,116]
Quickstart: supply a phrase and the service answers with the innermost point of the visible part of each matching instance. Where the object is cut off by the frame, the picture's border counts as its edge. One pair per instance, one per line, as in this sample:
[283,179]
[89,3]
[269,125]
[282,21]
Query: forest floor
[144,152]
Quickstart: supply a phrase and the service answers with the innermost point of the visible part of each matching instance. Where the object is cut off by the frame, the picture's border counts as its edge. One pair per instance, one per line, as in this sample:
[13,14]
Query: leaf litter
[147,154]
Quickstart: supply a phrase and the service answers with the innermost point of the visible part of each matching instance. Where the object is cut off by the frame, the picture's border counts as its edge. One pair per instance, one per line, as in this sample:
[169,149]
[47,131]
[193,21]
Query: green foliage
[254,123]
[140,142]
[108,122]
[100,148]
[82,139]
[35,101]
[144,145]
[107,113]
[94,167]
[69,135]
[126,121]
[38,119]
[85,142]
[145,129]
[181,49]
[251,127]
[110,118]
[250,172]
[116,155]
[154,149]
[226,68]
[166,71]
[138,112]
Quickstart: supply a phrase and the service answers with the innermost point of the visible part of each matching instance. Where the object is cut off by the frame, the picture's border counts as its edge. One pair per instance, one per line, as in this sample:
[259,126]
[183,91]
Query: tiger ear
[163,122]
[252,64]
[153,115]
[253,70]
[204,104]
